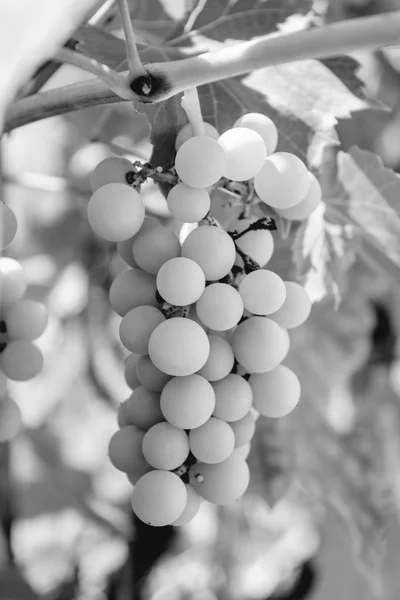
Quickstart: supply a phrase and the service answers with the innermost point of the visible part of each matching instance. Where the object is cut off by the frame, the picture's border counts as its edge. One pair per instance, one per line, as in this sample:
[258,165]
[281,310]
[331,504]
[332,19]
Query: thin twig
[135,66]
[114,80]
[191,105]
[176,76]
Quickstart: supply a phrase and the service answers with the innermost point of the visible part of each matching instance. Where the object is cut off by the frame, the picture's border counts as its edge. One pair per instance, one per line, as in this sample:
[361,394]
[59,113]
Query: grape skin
[26,319]
[221,483]
[122,415]
[263,292]
[125,249]
[21,360]
[8,225]
[191,508]
[296,308]
[200,161]
[220,307]
[137,326]
[220,360]
[159,498]
[180,281]
[212,442]
[149,376]
[186,133]
[179,346]
[132,288]
[125,449]
[244,429]
[257,244]
[212,249]
[110,170]
[283,181]
[276,393]
[155,247]
[115,212]
[308,204]
[165,446]
[264,126]
[259,344]
[143,408]
[188,204]
[13,282]
[130,371]
[233,398]
[187,402]
[245,152]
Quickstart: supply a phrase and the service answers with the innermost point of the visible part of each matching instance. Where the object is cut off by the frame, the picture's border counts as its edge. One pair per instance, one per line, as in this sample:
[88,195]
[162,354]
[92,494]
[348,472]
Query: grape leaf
[322,252]
[345,68]
[370,199]
[101,45]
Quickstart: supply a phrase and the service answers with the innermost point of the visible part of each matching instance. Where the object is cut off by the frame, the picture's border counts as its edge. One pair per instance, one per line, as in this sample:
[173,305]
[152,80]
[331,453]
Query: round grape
[8,225]
[212,442]
[188,204]
[307,205]
[296,308]
[220,360]
[125,249]
[111,170]
[154,247]
[130,372]
[257,244]
[26,319]
[159,498]
[125,449]
[200,161]
[187,402]
[165,446]
[132,288]
[137,326]
[264,126]
[143,408]
[283,181]
[191,508]
[115,212]
[149,376]
[211,248]
[233,398]
[10,419]
[179,346]
[220,307]
[122,415]
[12,281]
[21,360]
[245,153]
[243,451]
[263,292]
[259,344]
[186,133]
[275,393]
[222,483]
[243,429]
[180,281]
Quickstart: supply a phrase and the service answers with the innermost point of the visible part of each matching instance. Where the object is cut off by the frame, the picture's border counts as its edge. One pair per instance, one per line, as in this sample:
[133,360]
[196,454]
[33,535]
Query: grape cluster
[206,323]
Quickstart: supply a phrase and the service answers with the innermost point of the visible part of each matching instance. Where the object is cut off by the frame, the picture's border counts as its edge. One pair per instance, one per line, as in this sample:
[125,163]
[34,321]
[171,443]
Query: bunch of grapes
[206,323]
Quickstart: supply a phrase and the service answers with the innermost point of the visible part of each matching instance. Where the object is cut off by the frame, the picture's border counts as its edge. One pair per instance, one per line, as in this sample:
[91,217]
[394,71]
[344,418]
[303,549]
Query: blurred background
[321,517]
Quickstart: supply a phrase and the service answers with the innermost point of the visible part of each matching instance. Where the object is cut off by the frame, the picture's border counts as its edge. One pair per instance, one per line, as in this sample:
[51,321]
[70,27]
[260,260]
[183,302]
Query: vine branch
[171,78]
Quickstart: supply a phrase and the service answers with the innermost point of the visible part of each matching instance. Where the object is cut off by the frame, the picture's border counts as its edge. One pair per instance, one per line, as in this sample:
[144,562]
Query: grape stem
[135,66]
[191,105]
[170,78]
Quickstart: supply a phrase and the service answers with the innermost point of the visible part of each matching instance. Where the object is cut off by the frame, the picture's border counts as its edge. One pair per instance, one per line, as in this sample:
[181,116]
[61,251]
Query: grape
[259,344]
[264,126]
[245,153]
[149,376]
[220,307]
[307,205]
[263,292]
[165,446]
[130,371]
[258,245]
[191,508]
[10,419]
[125,449]
[179,346]
[200,161]
[243,429]
[243,451]
[275,393]
[122,415]
[296,308]
[180,281]
[233,398]
[132,288]
[187,402]
[143,408]
[220,360]
[212,442]
[186,133]
[12,281]
[213,249]
[137,326]
[134,476]
[3,384]
[110,170]
[26,319]
[159,498]
[188,204]
[8,225]
[155,247]
[283,181]
[21,360]
[222,483]
[124,248]
[115,212]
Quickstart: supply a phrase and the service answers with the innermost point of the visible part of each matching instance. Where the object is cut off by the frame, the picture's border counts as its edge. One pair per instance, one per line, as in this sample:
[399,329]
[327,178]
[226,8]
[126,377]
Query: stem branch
[191,105]
[134,63]
[171,78]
